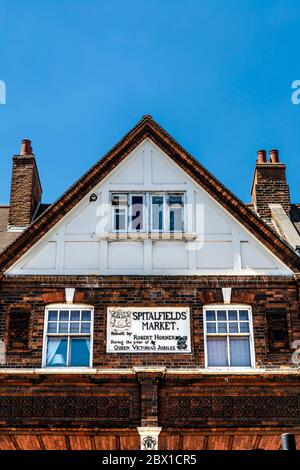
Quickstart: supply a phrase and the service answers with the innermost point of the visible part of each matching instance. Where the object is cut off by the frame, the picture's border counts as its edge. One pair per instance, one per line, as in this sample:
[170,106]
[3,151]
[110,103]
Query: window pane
[157,212]
[217,352]
[176,200]
[176,218]
[210,315]
[64,315]
[85,327]
[244,327]
[52,327]
[221,315]
[244,315]
[52,315]
[74,327]
[119,199]
[222,327]
[56,352]
[211,327]
[75,315]
[240,352]
[63,328]
[120,219]
[86,315]
[233,327]
[232,315]
[176,214]
[137,212]
[80,352]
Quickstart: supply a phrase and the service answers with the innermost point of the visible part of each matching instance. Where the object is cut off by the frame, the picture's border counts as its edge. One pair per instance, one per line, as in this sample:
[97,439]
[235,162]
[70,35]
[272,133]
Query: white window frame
[117,207]
[168,207]
[66,306]
[148,211]
[129,214]
[228,335]
[164,212]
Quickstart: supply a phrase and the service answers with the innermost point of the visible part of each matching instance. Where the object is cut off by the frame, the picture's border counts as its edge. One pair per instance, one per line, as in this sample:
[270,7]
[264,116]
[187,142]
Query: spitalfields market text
[159,320]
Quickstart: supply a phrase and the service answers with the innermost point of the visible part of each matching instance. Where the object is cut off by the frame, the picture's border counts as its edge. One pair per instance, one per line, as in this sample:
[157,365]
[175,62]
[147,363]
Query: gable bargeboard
[219,244]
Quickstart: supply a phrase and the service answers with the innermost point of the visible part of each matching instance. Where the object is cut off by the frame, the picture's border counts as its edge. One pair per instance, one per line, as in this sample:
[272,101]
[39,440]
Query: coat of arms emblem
[120,319]
[149,443]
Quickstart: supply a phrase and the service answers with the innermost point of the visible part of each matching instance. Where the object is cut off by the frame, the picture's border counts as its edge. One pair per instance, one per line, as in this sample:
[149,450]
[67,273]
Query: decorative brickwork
[201,409]
[104,409]
[277,330]
[18,328]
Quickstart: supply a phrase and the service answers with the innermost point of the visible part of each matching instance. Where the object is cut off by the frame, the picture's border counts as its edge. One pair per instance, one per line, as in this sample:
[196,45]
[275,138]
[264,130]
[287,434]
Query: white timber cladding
[212,242]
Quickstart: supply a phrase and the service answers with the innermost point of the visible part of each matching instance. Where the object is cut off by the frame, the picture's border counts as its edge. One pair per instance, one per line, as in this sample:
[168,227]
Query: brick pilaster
[149,382]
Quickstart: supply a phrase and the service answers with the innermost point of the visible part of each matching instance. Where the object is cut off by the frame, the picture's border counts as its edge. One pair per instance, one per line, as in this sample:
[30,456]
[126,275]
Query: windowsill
[186,236]
[129,370]
[230,369]
[67,370]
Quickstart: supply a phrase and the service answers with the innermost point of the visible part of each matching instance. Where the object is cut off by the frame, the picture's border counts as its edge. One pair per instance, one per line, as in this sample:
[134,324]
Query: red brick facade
[101,407]
[20,295]
[195,409]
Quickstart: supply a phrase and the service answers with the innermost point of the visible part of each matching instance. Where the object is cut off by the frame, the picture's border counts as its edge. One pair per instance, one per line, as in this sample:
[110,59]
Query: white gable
[214,242]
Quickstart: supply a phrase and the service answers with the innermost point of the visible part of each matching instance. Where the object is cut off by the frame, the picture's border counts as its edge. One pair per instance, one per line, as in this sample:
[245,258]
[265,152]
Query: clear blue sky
[216,74]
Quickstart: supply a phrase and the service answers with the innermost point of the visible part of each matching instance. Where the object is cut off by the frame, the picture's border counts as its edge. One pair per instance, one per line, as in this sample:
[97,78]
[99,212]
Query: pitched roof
[148,128]
[295,216]
[6,237]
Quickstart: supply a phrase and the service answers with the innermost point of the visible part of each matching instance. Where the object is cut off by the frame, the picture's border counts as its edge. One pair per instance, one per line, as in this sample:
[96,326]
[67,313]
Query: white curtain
[217,352]
[240,352]
[52,347]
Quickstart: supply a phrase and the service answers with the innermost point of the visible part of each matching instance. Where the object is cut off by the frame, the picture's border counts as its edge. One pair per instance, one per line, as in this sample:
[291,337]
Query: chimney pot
[26,148]
[274,156]
[261,156]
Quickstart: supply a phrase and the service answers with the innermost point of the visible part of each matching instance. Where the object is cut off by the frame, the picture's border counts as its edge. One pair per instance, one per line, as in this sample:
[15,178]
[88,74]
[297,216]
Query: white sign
[148,330]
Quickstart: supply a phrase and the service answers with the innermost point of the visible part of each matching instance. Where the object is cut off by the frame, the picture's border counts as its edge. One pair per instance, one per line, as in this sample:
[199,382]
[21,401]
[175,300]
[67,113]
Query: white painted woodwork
[69,293]
[82,242]
[226,293]
[172,255]
[125,255]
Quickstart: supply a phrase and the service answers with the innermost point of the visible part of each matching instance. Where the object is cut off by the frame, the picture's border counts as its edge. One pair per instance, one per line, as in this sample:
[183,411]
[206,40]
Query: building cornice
[95,281]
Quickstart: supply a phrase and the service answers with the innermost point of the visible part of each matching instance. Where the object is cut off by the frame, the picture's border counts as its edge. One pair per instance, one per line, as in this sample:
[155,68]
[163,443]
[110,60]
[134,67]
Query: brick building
[148,305]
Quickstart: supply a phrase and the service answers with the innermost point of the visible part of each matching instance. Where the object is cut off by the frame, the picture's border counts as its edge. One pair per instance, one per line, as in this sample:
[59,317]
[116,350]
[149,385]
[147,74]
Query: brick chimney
[269,184]
[26,189]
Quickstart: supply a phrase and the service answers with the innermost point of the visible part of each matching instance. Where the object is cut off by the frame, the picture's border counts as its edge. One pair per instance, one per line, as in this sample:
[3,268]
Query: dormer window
[147,212]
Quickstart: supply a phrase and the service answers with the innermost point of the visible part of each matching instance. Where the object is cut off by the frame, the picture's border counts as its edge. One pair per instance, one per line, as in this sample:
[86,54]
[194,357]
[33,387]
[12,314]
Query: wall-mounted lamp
[93,197]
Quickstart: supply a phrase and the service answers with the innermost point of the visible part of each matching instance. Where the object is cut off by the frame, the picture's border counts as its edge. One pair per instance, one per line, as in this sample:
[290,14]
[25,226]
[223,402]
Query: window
[155,212]
[120,212]
[228,336]
[175,205]
[136,214]
[68,336]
